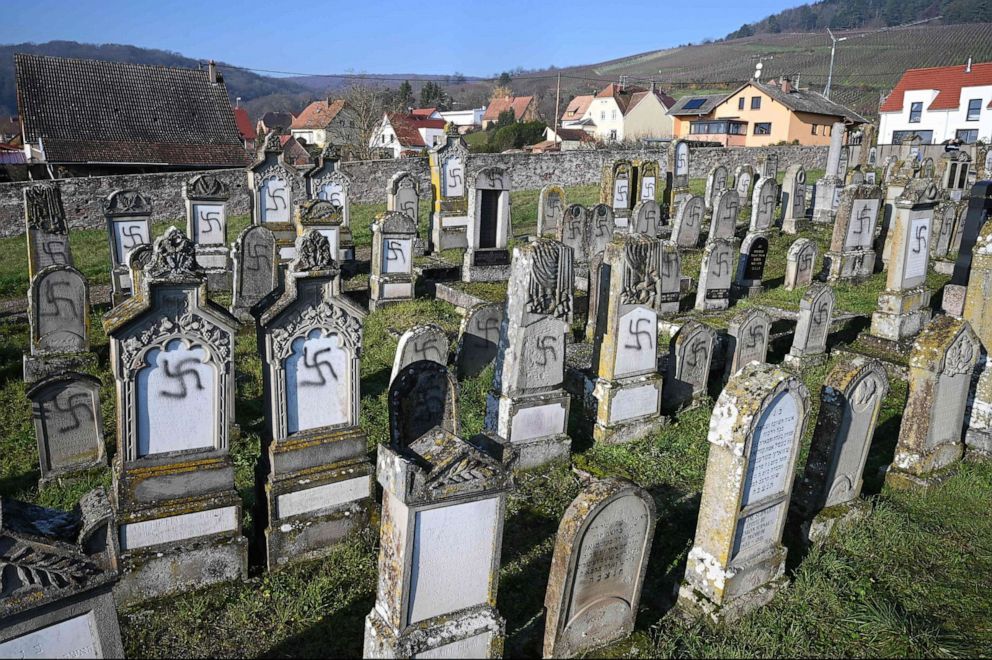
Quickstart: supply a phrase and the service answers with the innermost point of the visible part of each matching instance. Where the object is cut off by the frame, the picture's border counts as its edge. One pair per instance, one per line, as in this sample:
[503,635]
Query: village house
[328,121]
[425,113]
[691,108]
[465,120]
[294,153]
[524,109]
[621,112]
[939,104]
[566,139]
[10,128]
[88,117]
[274,121]
[245,128]
[575,112]
[758,114]
[405,135]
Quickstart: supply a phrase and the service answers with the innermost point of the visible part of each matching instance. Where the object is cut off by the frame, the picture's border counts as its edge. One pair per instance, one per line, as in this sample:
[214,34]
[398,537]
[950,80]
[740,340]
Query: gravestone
[527,405]
[255,257]
[624,396]
[618,189]
[827,192]
[574,233]
[601,226]
[976,215]
[744,183]
[648,176]
[800,263]
[715,274]
[690,353]
[747,340]
[903,308]
[403,195]
[901,173]
[927,168]
[58,311]
[128,215]
[550,210]
[794,199]
[716,182]
[816,310]
[68,423]
[489,228]
[954,171]
[646,219]
[670,297]
[829,492]
[737,562]
[977,311]
[46,228]
[855,177]
[768,165]
[945,217]
[394,235]
[844,163]
[325,218]
[275,188]
[315,481]
[444,503]
[688,222]
[328,183]
[137,259]
[421,342]
[677,184]
[931,436]
[597,572]
[763,203]
[206,224]
[478,338]
[751,265]
[449,187]
[851,256]
[726,207]
[424,395]
[172,359]
[59,570]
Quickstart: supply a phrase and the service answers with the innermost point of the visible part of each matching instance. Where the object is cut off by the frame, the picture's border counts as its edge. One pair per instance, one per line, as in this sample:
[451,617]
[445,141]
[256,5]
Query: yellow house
[758,114]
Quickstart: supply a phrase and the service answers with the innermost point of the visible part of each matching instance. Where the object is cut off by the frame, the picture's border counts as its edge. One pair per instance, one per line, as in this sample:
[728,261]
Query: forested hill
[856,14]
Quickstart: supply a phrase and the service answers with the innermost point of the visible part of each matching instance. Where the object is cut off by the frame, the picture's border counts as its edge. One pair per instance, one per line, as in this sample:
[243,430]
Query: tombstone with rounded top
[690,354]
[744,183]
[256,268]
[726,207]
[751,265]
[68,423]
[716,182]
[421,342]
[688,222]
[800,263]
[715,274]
[550,209]
[646,219]
[809,344]
[763,204]
[747,339]
[478,338]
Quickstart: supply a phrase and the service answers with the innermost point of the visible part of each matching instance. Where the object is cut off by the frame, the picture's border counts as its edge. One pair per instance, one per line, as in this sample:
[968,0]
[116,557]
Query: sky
[372,36]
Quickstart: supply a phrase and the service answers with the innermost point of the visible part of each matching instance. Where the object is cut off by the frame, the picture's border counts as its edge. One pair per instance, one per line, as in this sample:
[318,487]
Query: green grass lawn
[914,579]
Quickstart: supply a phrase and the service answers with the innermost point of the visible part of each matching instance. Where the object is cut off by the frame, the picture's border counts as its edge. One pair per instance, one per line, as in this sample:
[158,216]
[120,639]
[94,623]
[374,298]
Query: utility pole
[833,47]
[557,106]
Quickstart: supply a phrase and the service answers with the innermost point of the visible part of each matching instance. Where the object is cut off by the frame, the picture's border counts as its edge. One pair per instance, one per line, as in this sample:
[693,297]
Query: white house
[622,112]
[471,117]
[938,104]
[404,135]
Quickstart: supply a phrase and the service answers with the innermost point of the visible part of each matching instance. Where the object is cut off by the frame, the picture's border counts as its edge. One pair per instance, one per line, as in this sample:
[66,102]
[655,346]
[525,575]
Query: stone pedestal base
[905,480]
[486,265]
[820,527]
[449,230]
[851,266]
[625,410]
[746,291]
[692,604]
[713,304]
[953,300]
[794,225]
[38,367]
[536,425]
[384,291]
[804,361]
[901,314]
[978,442]
[472,633]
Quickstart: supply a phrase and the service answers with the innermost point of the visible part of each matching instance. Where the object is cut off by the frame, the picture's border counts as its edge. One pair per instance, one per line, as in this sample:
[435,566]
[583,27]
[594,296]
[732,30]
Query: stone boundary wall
[83,196]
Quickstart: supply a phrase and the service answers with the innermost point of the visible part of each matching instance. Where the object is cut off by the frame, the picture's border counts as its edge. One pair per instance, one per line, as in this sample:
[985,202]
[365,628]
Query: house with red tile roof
[407,135]
[569,139]
[575,111]
[939,104]
[425,113]
[621,112]
[328,121]
[245,128]
[524,109]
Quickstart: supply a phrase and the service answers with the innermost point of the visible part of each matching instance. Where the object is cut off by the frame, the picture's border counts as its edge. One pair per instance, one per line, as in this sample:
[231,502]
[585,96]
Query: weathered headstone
[317,477]
[747,340]
[726,207]
[715,274]
[444,502]
[677,185]
[489,228]
[800,263]
[763,203]
[646,219]
[945,216]
[128,214]
[600,558]
[574,233]
[744,183]
[421,342]
[478,338]
[550,210]
[393,279]
[954,170]
[47,229]
[59,311]
[275,189]
[59,570]
[900,174]
[827,192]
[326,182]
[816,311]
[255,256]
[851,256]
[206,224]
[600,229]
[751,265]
[449,186]
[829,491]
[670,297]
[528,405]
[68,423]
[940,372]
[617,189]
[976,215]
[690,354]
[688,222]
[737,562]
[648,176]
[794,199]
[716,182]
[323,217]
[172,358]
[403,195]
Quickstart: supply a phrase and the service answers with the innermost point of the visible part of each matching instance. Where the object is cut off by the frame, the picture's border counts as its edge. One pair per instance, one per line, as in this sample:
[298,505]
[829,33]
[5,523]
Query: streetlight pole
[833,47]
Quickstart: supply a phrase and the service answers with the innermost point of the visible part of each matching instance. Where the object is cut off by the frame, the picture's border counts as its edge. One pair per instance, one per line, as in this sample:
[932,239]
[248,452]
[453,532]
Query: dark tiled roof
[111,112]
[804,100]
[709,101]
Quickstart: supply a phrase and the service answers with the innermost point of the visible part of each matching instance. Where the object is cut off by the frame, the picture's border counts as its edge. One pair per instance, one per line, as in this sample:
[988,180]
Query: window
[756,103]
[812,129]
[740,103]
[926,137]
[613,135]
[974,109]
[613,114]
[763,128]
[737,128]
[602,114]
[967,135]
[915,110]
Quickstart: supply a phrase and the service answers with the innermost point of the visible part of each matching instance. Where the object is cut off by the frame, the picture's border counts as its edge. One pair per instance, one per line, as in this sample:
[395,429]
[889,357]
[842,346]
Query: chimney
[212,72]
[785,85]
[967,68]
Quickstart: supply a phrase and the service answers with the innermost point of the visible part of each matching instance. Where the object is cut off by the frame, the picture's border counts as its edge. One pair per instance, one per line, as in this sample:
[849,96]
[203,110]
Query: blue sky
[435,36]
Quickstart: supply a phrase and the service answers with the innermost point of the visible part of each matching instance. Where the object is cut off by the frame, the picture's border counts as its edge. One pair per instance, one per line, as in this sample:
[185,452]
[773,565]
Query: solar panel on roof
[694,104]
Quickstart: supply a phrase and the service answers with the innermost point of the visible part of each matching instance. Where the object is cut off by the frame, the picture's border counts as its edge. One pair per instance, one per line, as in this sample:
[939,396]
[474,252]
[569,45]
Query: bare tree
[360,120]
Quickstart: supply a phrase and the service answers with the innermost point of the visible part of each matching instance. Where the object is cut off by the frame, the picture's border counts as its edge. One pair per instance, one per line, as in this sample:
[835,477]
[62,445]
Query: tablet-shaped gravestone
[799,263]
[478,339]
[688,222]
[59,311]
[550,210]
[816,310]
[726,207]
[421,342]
[715,274]
[68,423]
[689,358]
[47,229]
[747,339]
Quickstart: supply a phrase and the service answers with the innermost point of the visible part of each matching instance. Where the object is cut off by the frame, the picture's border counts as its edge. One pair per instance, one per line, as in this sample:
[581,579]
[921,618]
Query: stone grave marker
[945,217]
[172,358]
[618,189]
[528,405]
[744,183]
[59,570]
[975,216]
[275,190]
[206,224]
[421,342]
[809,343]
[648,176]
[255,257]
[671,279]
[716,182]
[646,219]
[393,279]
[726,207]
[323,217]
[46,228]
[715,274]
[737,562]
[625,395]
[844,163]
[328,183]
[955,167]
[678,176]
[478,338]
[751,265]
[137,259]
[902,172]
[977,311]
[601,226]
[317,482]
[800,263]
[690,353]
[550,210]
[794,199]
[68,423]
[450,211]
[403,195]
[444,503]
[827,193]
[59,311]
[763,205]
[597,572]
[747,340]
[941,364]
[851,256]
[489,228]
[829,492]
[574,233]
[768,165]
[128,214]
[688,222]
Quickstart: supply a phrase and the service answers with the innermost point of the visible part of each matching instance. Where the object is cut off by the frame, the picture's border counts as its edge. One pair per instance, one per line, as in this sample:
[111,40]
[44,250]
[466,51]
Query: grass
[912,580]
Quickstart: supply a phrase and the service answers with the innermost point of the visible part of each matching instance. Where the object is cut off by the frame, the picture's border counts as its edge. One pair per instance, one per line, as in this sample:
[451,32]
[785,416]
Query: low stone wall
[83,197]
